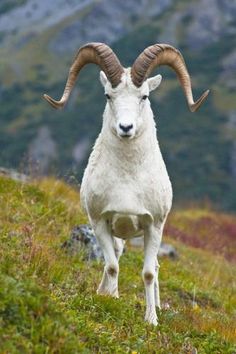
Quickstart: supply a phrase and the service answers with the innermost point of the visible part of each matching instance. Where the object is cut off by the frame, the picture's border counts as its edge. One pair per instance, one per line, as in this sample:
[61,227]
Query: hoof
[151,318]
[108,292]
[152,321]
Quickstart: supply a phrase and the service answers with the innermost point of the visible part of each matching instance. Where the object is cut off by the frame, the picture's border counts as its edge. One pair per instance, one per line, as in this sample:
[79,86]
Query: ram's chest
[127,188]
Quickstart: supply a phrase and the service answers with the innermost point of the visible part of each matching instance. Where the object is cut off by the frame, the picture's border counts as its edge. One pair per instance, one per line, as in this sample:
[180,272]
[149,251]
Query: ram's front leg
[109,282]
[152,241]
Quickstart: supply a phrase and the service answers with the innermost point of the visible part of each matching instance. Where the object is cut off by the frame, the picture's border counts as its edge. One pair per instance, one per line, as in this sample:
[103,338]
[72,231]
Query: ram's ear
[103,78]
[154,82]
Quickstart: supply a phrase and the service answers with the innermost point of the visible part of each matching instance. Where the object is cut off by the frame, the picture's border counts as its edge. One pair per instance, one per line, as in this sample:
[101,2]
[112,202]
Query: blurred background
[38,40]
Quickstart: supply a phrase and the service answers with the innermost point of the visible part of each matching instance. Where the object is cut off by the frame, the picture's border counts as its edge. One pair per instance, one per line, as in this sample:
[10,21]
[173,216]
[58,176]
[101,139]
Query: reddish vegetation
[205,229]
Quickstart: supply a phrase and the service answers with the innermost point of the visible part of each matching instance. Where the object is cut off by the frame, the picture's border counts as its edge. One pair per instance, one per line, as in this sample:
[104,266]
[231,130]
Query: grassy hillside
[198,148]
[205,229]
[48,301]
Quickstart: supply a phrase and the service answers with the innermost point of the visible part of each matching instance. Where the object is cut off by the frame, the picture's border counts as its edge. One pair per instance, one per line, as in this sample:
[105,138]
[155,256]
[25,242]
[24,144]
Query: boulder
[82,240]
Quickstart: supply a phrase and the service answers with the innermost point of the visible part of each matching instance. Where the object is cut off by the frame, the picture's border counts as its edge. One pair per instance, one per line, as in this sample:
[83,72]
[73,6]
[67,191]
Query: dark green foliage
[195,150]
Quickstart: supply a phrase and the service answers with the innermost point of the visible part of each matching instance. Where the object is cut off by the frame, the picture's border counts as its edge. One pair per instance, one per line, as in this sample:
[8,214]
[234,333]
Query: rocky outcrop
[36,16]
[105,21]
[85,20]
[203,22]
[82,241]
[166,250]
[13,174]
[211,20]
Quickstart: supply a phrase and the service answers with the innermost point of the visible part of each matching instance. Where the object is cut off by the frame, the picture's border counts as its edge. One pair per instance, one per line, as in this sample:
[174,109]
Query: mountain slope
[48,300]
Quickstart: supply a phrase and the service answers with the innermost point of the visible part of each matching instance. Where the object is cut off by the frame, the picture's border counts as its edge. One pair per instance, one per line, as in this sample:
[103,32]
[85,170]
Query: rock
[13,174]
[105,21]
[204,22]
[38,15]
[137,241]
[82,239]
[211,20]
[165,250]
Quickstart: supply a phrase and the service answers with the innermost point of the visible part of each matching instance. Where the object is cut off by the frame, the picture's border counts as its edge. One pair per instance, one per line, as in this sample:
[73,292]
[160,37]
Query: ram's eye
[107,96]
[144,97]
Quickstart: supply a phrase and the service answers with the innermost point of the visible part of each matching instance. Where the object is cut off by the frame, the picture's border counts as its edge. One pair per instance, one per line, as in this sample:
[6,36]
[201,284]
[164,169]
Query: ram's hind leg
[109,282]
[119,247]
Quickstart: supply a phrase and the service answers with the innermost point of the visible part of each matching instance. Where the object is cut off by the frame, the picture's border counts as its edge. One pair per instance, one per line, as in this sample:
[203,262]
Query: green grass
[48,301]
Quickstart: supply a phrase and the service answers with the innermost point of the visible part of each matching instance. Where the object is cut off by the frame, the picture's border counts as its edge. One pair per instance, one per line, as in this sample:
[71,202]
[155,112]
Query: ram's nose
[126,127]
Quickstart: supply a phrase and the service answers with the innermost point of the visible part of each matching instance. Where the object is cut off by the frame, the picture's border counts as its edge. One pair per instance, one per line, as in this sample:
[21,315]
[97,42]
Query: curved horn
[97,53]
[164,54]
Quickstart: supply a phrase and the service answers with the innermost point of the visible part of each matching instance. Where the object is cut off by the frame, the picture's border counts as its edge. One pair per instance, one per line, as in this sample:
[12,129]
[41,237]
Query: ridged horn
[164,54]
[96,53]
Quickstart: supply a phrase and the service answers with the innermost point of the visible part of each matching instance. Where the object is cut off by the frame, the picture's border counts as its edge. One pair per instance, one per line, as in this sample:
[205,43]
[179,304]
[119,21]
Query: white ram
[126,191]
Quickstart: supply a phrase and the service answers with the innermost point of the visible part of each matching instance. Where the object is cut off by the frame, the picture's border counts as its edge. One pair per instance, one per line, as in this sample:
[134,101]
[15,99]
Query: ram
[126,191]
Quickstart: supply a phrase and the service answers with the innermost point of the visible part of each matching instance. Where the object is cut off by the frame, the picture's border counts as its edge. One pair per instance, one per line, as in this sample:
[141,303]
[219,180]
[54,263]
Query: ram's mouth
[126,136]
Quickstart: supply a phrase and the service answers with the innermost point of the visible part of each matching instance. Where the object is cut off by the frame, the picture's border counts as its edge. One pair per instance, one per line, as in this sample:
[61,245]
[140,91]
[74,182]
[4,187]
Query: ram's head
[127,90]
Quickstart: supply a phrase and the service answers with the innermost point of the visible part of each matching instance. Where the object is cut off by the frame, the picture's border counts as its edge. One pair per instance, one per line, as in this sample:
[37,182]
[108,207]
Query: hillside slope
[48,301]
[35,55]
[205,229]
